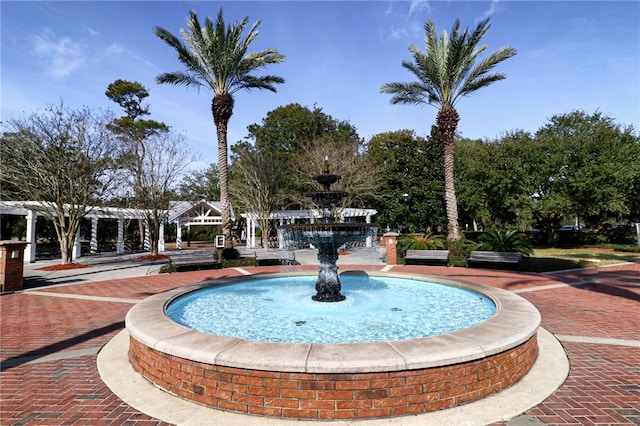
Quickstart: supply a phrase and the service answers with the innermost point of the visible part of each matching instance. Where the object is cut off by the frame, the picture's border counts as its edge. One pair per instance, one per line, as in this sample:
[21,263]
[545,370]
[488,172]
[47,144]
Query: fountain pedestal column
[328,285]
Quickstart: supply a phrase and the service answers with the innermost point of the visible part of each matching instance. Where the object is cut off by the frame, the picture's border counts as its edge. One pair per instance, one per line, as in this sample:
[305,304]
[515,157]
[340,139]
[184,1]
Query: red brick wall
[333,396]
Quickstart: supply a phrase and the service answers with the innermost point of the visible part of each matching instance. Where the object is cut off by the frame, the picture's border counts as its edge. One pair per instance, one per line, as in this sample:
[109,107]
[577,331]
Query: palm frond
[215,56]
[448,68]
[509,240]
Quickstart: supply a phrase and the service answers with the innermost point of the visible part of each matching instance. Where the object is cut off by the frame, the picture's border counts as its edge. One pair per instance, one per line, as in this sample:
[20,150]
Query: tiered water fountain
[385,374]
[327,236]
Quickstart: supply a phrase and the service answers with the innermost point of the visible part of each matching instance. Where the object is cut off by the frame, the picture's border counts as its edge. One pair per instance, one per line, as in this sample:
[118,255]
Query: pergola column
[161,238]
[147,237]
[94,236]
[178,235]
[120,243]
[251,232]
[30,251]
[369,242]
[281,243]
[76,253]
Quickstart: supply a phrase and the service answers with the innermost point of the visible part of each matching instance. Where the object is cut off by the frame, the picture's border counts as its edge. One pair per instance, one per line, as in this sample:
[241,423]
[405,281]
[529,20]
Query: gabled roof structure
[201,212]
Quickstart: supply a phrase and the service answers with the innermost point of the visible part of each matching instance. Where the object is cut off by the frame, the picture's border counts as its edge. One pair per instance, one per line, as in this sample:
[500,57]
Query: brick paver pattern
[50,337]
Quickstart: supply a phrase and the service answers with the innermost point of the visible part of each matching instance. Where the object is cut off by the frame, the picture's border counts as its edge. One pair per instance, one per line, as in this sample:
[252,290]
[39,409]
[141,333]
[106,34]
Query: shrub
[426,241]
[505,240]
[230,254]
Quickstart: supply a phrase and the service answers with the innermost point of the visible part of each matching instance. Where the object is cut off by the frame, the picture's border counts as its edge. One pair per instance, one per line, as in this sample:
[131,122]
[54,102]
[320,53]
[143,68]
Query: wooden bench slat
[442,255]
[495,257]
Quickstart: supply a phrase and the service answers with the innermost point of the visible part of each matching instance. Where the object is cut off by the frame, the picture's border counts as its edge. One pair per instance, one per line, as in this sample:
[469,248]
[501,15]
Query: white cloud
[493,7]
[92,31]
[410,26]
[61,56]
[418,6]
[413,31]
[117,53]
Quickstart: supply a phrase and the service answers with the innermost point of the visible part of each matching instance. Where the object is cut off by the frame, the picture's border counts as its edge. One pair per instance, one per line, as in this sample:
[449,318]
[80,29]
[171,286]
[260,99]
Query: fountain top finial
[326,179]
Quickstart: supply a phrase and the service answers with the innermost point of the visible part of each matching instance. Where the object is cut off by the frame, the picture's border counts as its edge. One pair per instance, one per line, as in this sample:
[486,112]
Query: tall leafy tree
[594,162]
[410,165]
[448,70]
[200,184]
[216,57]
[292,132]
[287,129]
[130,95]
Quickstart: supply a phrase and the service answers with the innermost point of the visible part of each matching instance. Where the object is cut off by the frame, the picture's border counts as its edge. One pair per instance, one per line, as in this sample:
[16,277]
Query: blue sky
[571,55]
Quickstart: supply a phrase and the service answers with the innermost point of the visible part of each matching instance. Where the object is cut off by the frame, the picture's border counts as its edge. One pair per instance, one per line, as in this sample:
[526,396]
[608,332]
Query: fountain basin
[335,381]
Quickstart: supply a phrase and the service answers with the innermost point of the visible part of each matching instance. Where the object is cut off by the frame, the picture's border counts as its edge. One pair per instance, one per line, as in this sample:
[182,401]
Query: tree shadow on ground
[60,346]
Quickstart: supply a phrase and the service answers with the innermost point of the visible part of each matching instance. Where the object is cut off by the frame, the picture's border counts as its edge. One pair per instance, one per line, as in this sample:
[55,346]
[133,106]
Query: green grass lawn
[553,259]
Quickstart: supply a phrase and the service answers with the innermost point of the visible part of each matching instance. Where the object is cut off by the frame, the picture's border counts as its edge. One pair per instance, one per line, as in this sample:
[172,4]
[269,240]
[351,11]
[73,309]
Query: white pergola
[180,212]
[285,217]
[31,210]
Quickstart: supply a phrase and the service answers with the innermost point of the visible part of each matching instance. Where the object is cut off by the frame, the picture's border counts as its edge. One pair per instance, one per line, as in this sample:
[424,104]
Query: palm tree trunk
[447,121]
[222,108]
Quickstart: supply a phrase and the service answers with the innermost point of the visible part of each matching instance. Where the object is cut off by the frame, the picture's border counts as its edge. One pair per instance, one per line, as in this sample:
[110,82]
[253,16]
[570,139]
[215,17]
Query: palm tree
[216,58]
[446,72]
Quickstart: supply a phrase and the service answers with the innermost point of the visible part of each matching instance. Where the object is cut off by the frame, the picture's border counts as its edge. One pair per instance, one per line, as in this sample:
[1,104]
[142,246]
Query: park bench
[274,257]
[427,256]
[495,257]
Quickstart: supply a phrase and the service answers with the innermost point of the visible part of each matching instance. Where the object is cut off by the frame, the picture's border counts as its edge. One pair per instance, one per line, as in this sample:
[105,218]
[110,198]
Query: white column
[147,237]
[178,235]
[281,241]
[161,238]
[638,232]
[251,232]
[369,242]
[77,248]
[30,252]
[120,243]
[94,235]
[247,228]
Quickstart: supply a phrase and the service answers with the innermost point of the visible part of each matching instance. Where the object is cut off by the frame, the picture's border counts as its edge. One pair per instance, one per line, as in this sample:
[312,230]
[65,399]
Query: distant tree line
[577,167]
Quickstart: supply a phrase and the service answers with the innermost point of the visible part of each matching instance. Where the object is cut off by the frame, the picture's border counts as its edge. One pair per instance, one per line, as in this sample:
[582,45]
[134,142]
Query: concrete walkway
[51,334]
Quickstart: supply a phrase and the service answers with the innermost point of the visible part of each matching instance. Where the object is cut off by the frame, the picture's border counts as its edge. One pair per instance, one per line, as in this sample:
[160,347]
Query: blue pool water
[376,309]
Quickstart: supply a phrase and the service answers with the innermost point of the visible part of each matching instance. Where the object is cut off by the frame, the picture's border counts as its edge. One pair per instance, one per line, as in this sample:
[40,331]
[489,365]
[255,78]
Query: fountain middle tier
[327,234]
[327,238]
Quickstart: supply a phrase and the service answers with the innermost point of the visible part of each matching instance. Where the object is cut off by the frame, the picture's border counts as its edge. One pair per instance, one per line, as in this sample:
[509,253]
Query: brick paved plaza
[51,336]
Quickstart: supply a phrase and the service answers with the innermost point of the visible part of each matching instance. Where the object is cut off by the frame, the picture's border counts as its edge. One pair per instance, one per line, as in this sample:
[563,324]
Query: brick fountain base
[335,381]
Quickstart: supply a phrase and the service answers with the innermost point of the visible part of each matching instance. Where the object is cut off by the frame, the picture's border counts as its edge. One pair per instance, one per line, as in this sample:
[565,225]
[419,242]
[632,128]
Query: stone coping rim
[515,321]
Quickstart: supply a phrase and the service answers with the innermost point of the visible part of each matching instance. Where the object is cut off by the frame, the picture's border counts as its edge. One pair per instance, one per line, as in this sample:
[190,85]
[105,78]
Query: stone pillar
[391,243]
[93,248]
[30,253]
[11,265]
